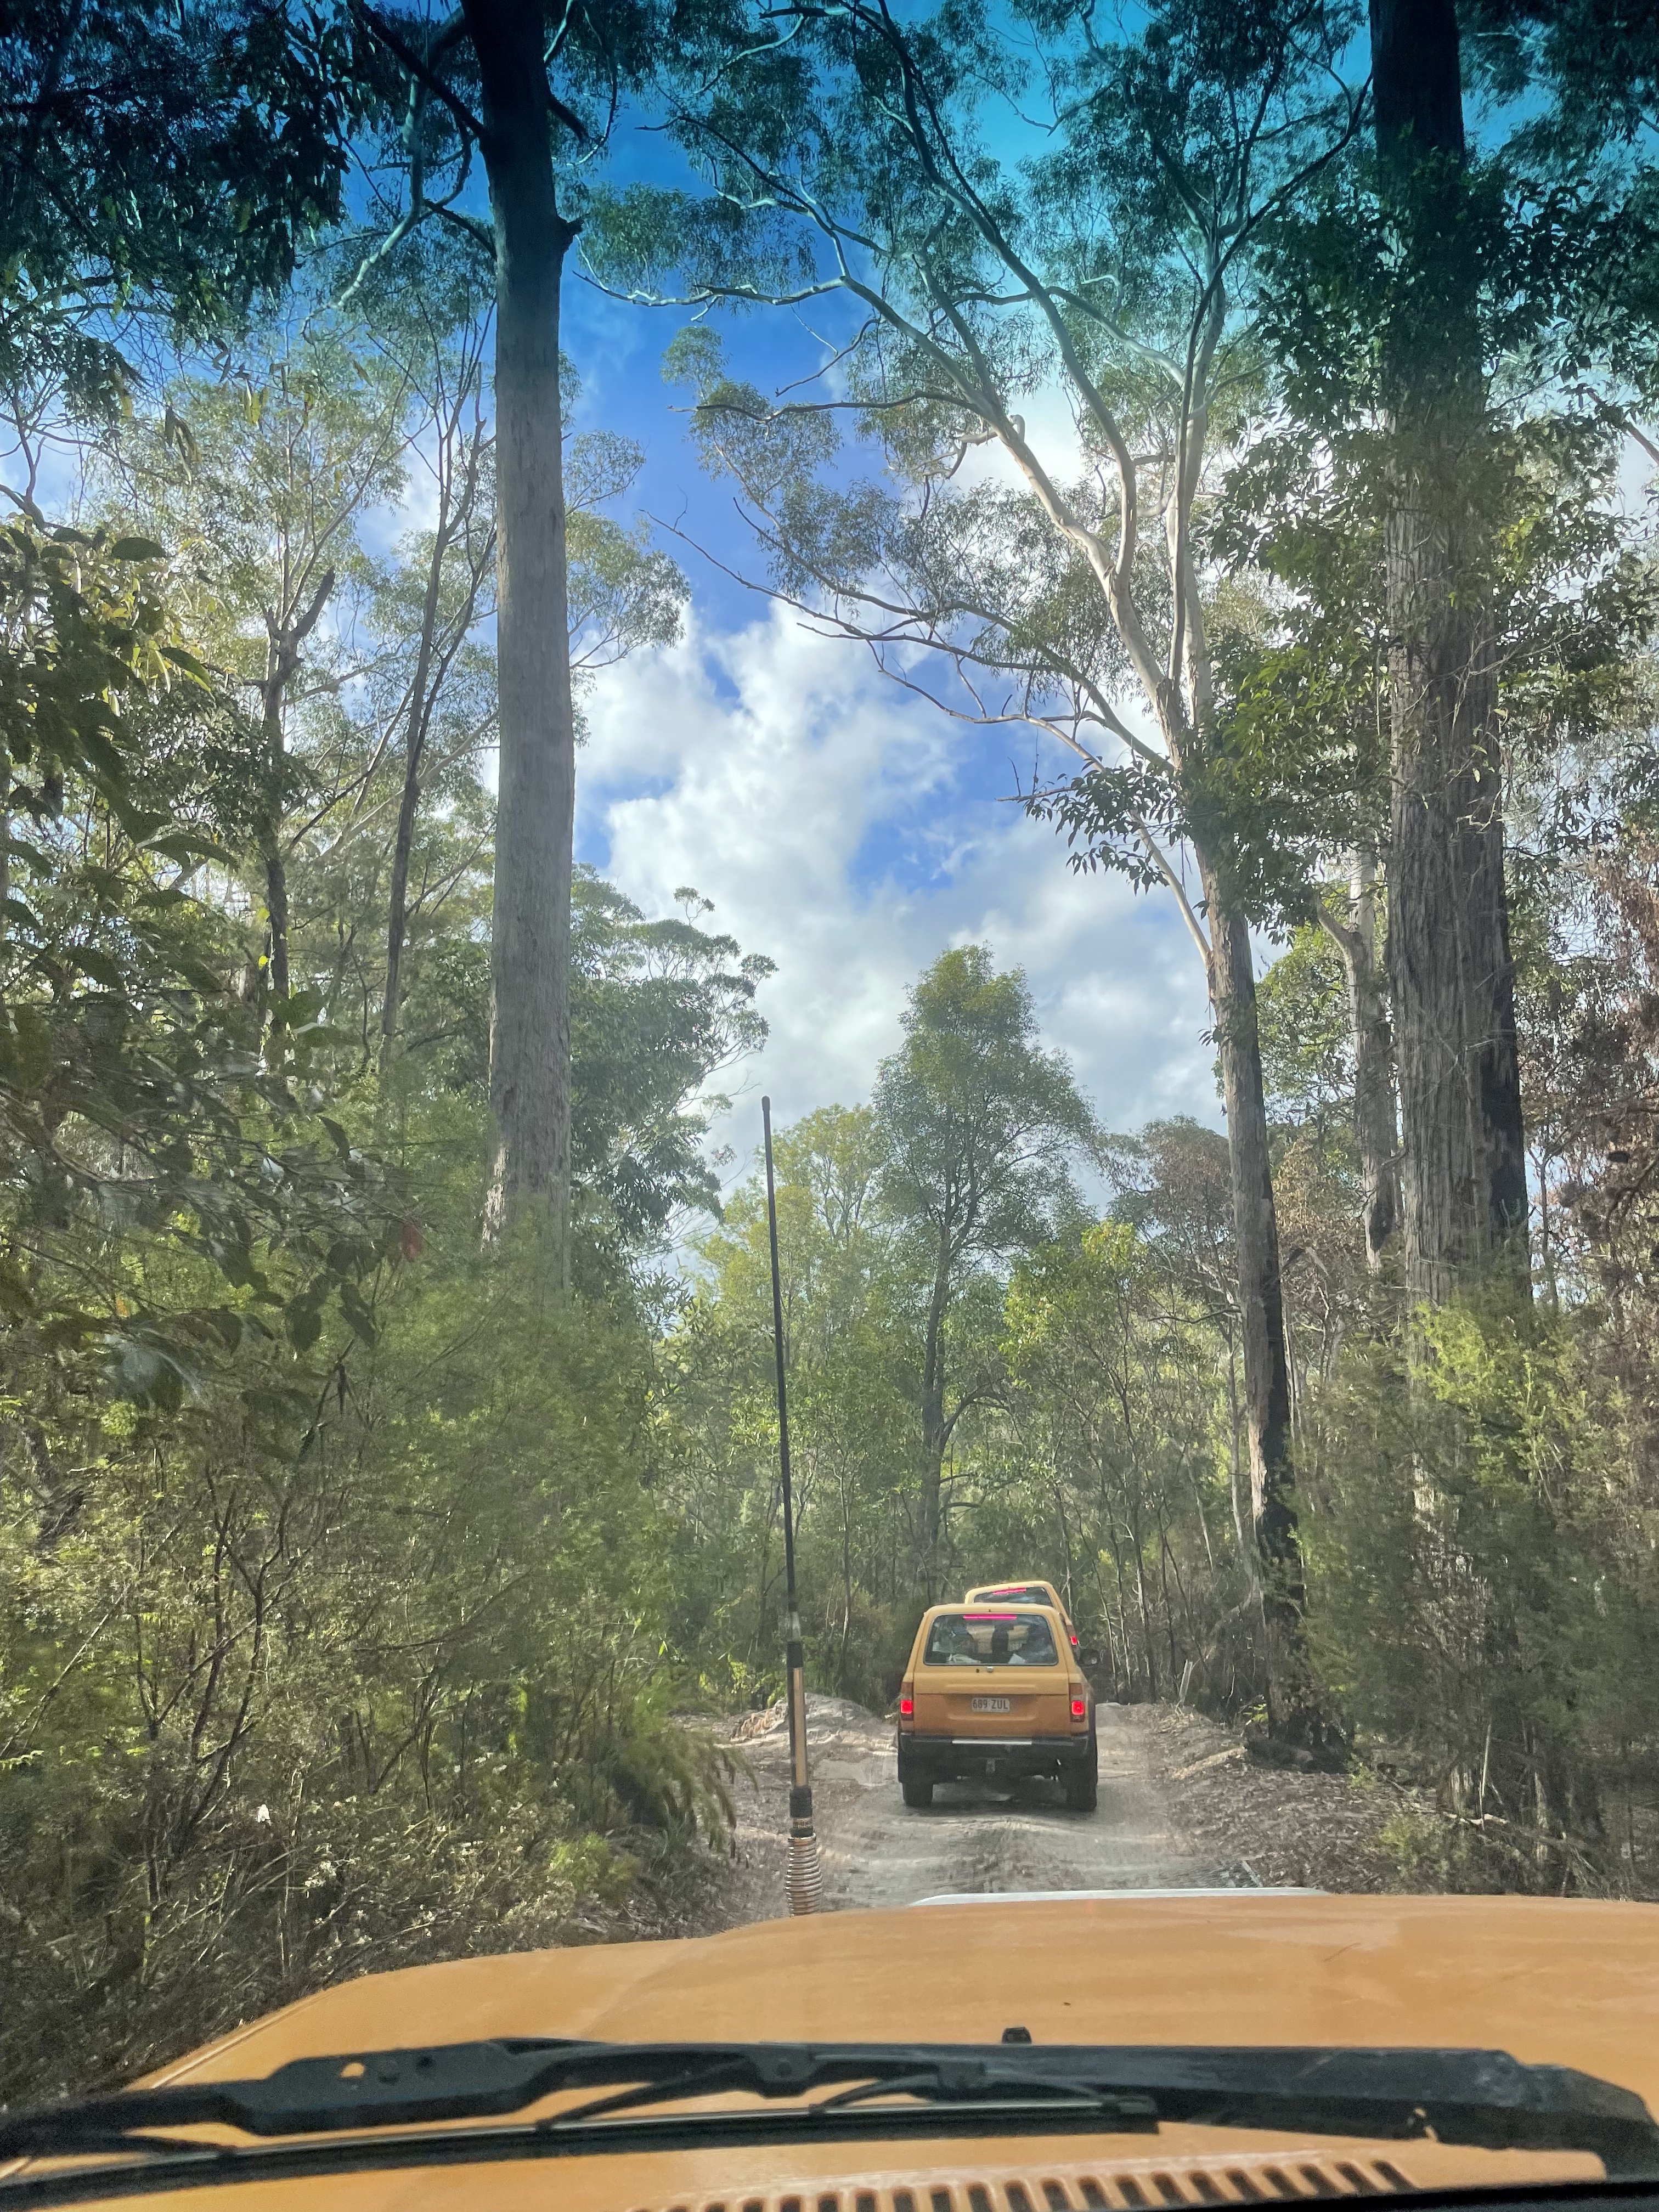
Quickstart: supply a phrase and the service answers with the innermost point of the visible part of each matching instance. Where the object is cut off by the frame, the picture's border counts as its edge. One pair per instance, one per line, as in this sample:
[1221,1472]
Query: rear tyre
[1083,1784]
[918,1796]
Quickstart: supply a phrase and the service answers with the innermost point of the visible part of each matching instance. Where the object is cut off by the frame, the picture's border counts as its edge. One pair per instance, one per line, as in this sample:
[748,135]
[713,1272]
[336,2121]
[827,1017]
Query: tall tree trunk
[409,803]
[276,907]
[530,947]
[935,1429]
[1261,1315]
[1463,1182]
[279,665]
[1375,1106]
[397,926]
[5,835]
[1148,1645]
[286,632]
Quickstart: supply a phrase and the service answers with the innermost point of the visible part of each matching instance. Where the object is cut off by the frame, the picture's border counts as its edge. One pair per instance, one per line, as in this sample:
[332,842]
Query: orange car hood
[1572,1983]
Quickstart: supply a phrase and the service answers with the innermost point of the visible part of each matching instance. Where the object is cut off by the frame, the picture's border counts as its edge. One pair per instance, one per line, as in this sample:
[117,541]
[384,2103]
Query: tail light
[1079,1708]
[907,1707]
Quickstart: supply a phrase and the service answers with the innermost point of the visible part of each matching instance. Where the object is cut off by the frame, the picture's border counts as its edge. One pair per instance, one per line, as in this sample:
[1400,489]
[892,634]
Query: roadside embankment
[1286,1826]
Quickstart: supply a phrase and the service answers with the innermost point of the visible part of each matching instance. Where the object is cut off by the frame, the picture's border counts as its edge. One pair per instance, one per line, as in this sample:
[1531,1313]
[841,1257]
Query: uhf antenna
[805,1875]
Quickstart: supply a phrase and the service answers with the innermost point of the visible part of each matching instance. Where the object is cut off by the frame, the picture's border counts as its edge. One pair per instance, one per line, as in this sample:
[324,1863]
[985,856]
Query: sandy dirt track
[875,1850]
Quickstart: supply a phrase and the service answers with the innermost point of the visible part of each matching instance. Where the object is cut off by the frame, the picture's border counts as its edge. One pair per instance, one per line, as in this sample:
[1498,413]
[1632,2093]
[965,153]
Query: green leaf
[304,1322]
[139,549]
[97,965]
[17,1297]
[179,658]
[66,1329]
[185,846]
[361,1320]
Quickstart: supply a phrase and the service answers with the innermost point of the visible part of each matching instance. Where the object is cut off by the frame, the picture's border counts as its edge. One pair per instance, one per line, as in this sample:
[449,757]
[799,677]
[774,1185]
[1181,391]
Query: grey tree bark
[1451,974]
[397,924]
[530,957]
[287,629]
[455,505]
[935,1429]
[1376,1106]
[1261,1315]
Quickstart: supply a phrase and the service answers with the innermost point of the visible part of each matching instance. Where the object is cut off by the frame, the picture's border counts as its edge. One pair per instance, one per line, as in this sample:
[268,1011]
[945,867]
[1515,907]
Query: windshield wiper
[1484,2098]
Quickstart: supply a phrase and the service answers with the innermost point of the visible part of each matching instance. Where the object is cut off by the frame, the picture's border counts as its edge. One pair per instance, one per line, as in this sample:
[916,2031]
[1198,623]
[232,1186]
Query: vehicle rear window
[971,1639]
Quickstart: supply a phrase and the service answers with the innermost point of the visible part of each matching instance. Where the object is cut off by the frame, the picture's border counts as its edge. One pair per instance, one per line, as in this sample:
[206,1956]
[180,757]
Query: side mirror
[1089,1657]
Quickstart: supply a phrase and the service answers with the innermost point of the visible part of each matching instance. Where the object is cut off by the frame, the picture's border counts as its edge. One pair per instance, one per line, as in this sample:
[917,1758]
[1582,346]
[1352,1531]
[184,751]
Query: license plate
[993,1704]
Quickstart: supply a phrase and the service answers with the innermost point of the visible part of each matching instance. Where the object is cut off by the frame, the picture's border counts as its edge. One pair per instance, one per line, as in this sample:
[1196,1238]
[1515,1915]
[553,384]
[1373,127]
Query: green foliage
[1478,1511]
[979,1121]
[331,1590]
[366,1682]
[1305,1044]
[160,159]
[657,1009]
[1118,1399]
[851,1357]
[1082,1395]
[139,1110]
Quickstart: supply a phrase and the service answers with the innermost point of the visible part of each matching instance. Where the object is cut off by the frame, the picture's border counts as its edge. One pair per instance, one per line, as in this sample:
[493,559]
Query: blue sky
[838,823]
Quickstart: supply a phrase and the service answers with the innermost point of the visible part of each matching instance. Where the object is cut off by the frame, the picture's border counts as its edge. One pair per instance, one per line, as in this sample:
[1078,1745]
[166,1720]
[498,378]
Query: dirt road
[875,1850]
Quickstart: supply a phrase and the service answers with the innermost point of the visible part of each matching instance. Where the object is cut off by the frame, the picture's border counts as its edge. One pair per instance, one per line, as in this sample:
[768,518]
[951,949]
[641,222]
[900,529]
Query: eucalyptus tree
[530,92]
[260,483]
[1543,573]
[439,594]
[1049,355]
[622,593]
[979,1125]
[1452,972]
[660,1009]
[1465,314]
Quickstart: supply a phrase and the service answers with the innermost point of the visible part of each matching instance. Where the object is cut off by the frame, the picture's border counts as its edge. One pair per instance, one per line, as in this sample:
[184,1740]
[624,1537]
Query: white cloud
[828,816]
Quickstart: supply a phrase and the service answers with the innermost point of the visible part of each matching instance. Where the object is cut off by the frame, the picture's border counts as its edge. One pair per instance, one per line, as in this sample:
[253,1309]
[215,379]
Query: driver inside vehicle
[951,1644]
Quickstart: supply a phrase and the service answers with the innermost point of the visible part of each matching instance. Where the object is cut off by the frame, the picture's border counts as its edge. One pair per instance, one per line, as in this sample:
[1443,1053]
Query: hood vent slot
[1173,2188]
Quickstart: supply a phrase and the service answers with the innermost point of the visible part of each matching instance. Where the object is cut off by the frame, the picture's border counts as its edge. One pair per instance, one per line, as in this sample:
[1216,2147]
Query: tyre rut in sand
[974,1837]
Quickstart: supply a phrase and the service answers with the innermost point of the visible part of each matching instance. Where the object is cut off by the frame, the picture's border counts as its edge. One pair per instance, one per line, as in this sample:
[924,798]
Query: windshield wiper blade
[486,2080]
[1480,2098]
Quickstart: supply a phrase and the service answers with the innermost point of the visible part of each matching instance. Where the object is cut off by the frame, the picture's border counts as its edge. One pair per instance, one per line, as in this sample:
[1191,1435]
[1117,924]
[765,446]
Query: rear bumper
[965,1758]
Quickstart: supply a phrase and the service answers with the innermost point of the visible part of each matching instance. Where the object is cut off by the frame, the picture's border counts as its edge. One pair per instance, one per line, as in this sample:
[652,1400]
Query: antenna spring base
[806,1874]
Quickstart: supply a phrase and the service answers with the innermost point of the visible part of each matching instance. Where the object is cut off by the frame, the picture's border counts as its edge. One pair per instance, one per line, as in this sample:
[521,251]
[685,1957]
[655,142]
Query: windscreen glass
[990,1639]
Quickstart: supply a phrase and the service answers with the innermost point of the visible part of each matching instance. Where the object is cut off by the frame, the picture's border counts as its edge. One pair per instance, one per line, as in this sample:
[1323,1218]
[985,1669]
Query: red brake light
[1080,1707]
[1075,1643]
[907,1707]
